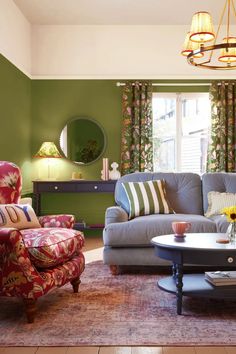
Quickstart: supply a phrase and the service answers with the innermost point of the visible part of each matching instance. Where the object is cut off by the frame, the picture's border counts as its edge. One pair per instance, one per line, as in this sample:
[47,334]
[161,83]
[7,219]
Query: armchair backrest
[10,183]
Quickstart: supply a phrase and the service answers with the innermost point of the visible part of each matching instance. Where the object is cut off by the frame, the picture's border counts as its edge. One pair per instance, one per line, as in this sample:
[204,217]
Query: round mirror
[82,140]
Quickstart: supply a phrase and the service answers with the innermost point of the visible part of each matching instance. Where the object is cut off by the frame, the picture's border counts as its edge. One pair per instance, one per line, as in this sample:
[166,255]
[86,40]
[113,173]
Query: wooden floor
[118,350]
[93,252]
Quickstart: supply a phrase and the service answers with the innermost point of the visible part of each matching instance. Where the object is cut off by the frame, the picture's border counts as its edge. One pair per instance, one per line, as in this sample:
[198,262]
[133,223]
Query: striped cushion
[217,201]
[146,198]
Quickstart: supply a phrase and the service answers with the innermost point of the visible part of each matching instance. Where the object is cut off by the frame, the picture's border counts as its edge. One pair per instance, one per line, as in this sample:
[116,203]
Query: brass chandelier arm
[190,57]
[218,28]
[232,2]
[228,20]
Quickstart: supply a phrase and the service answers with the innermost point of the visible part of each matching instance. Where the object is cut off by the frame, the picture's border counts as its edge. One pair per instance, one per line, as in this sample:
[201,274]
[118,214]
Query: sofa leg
[115,269]
[75,284]
[30,309]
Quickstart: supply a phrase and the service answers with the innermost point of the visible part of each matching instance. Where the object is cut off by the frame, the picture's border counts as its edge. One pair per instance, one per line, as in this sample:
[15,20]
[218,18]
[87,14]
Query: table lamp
[49,151]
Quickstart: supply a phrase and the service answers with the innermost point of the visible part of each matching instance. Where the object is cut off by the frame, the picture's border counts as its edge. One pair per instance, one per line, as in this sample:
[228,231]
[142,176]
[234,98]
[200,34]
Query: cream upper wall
[90,52]
[113,52]
[15,36]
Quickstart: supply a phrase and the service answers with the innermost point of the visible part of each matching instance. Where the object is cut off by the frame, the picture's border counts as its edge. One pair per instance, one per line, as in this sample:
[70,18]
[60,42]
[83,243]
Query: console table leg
[179,287]
[38,204]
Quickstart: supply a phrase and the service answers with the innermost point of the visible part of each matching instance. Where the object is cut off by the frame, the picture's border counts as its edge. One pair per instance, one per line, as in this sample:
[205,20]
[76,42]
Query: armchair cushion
[61,220]
[50,247]
[19,216]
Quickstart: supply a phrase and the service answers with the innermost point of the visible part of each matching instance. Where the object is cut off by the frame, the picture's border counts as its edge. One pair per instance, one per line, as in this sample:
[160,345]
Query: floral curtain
[136,140]
[222,146]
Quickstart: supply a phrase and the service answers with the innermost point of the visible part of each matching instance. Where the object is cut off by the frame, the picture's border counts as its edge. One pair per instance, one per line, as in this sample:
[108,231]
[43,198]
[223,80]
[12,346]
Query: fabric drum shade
[189,46]
[202,28]
[228,55]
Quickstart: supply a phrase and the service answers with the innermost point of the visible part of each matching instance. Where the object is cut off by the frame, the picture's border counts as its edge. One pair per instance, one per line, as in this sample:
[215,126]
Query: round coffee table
[195,249]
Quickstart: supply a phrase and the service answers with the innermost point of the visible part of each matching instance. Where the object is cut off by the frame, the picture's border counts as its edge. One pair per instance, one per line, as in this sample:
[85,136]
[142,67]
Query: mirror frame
[103,132]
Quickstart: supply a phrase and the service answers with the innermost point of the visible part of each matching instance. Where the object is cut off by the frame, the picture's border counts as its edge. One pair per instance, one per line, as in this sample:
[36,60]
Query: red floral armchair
[35,260]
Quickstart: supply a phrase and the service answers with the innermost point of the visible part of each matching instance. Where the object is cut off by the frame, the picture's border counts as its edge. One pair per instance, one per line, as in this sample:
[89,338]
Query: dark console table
[196,249]
[73,186]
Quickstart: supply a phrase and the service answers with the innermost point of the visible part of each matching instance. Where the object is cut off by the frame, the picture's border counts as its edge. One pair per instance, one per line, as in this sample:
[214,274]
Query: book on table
[221,278]
[80,225]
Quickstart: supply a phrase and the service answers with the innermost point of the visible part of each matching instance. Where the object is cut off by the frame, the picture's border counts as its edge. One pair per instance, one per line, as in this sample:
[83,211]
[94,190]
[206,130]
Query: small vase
[231,231]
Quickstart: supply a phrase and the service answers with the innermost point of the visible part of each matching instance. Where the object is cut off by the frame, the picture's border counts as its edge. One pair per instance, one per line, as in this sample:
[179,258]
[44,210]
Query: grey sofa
[127,242]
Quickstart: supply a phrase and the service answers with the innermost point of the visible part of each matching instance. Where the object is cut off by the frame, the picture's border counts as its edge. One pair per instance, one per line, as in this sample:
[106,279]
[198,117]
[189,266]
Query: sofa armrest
[62,220]
[115,214]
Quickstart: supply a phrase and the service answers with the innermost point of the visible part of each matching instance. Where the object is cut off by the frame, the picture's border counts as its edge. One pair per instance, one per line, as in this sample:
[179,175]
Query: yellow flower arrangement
[230,213]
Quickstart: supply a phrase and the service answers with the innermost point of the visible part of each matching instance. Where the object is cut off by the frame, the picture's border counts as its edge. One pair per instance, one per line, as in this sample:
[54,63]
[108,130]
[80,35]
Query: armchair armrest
[61,220]
[115,214]
[18,277]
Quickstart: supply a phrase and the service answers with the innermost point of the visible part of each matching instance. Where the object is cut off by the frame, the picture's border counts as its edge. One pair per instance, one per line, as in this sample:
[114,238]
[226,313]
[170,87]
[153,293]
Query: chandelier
[217,55]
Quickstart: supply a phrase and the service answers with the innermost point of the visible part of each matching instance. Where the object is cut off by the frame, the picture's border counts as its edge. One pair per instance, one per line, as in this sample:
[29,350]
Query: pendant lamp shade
[221,53]
[202,28]
[228,55]
[189,46]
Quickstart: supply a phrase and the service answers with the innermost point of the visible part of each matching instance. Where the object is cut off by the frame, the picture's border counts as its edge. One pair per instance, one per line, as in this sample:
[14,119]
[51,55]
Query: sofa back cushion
[218,182]
[183,190]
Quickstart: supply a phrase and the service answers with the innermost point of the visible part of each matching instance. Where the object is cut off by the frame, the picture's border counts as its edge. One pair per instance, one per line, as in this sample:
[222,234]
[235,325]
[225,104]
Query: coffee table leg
[179,287]
[173,270]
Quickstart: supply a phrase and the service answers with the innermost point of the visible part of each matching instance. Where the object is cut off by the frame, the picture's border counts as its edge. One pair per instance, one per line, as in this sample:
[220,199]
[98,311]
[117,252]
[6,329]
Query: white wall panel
[113,52]
[15,36]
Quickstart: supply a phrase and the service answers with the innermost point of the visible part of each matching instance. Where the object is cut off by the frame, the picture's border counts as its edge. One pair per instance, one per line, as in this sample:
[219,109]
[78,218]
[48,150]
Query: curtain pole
[118,84]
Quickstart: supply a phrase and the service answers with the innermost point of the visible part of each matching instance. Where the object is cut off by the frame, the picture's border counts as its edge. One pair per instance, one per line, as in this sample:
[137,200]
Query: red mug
[180,227]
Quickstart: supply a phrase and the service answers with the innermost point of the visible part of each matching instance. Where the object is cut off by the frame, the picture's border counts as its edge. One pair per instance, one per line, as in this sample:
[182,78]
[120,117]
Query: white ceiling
[116,12]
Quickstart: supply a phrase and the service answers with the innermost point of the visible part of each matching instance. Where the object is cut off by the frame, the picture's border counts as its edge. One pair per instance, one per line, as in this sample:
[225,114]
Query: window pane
[164,133]
[195,122]
[180,132]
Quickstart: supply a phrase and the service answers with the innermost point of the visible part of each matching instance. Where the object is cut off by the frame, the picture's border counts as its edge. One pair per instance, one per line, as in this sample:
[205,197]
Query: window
[180,131]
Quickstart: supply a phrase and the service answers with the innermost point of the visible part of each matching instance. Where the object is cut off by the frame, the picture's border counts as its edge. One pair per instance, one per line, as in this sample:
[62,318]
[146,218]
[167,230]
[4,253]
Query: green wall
[15,117]
[36,111]
[54,102]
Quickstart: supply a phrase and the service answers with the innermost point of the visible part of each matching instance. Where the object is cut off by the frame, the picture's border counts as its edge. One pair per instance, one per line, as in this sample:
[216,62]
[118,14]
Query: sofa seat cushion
[138,232]
[49,247]
[221,223]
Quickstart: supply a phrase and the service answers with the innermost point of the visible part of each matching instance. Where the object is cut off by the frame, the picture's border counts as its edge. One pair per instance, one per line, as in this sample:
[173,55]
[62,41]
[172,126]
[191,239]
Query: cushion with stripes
[147,198]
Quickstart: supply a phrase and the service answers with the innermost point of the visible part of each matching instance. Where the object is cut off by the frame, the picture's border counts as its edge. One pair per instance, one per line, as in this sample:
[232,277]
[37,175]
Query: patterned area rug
[117,310]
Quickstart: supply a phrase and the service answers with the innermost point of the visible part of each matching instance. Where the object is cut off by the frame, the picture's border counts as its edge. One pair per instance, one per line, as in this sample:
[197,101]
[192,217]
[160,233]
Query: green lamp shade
[48,150]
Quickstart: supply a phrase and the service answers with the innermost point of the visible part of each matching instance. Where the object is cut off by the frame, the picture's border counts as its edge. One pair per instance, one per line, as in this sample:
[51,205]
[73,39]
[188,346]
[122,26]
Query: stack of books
[80,225]
[221,278]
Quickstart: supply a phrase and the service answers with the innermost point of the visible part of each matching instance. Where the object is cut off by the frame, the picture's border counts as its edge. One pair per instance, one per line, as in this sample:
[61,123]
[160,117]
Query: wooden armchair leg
[30,309]
[75,284]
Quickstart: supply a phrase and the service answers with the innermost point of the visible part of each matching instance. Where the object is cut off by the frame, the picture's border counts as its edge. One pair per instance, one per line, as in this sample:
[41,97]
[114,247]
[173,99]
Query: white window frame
[179,97]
